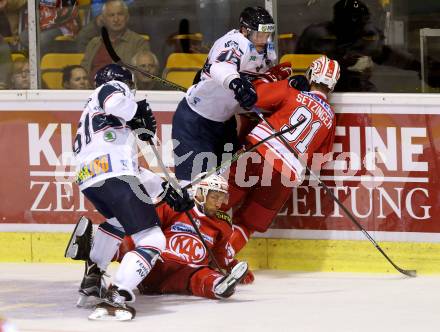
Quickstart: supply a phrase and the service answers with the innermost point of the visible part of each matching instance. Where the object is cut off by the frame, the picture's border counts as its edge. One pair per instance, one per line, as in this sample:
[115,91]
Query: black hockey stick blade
[409,273]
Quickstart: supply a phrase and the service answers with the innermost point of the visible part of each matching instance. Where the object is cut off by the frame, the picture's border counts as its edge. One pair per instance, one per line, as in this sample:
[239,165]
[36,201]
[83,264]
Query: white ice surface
[41,298]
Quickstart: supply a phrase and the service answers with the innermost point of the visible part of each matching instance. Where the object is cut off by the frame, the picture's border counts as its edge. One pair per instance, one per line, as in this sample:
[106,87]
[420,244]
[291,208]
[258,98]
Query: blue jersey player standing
[108,175]
[204,120]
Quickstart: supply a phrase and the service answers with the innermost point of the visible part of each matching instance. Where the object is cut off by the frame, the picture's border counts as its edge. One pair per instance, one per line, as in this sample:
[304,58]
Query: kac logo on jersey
[189,245]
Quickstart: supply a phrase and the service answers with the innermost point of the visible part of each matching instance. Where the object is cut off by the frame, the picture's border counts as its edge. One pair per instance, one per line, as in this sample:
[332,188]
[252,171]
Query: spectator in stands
[93,28]
[57,18]
[5,29]
[126,42]
[147,61]
[96,6]
[89,31]
[75,77]
[20,77]
[5,54]
[12,11]
[353,40]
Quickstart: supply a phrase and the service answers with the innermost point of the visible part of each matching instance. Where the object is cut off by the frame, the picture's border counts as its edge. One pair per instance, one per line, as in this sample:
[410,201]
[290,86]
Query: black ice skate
[80,242]
[114,306]
[92,289]
[226,287]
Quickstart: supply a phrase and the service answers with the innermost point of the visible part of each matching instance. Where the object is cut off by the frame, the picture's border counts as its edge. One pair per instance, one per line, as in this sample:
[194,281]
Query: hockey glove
[277,73]
[174,200]
[299,82]
[143,119]
[244,92]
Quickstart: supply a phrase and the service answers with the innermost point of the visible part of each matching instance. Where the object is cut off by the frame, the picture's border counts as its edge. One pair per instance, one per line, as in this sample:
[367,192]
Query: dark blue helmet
[114,72]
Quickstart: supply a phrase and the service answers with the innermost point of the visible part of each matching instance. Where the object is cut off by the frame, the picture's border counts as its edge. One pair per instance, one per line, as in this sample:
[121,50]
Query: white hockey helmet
[213,182]
[324,71]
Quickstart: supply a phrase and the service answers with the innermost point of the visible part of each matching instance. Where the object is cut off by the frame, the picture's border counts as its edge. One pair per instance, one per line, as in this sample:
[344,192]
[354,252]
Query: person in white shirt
[108,175]
[204,120]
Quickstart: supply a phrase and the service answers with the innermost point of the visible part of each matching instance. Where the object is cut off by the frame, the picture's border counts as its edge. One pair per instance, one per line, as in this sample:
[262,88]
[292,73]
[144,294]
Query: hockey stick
[409,273]
[237,155]
[176,186]
[111,51]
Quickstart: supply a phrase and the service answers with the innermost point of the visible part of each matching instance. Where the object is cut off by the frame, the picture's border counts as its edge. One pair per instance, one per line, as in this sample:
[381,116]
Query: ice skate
[226,287]
[114,306]
[80,242]
[92,289]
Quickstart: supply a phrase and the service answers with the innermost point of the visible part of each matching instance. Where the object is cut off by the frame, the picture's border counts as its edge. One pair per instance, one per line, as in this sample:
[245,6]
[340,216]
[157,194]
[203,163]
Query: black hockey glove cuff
[174,200]
[299,82]
[244,92]
[144,121]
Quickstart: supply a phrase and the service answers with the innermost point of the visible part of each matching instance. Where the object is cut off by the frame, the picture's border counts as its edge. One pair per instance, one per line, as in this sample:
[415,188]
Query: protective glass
[259,37]
[132,86]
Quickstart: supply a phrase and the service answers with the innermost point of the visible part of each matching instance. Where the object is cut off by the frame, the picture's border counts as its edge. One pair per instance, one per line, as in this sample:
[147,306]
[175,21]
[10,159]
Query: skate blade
[88,302]
[80,229]
[238,272]
[118,315]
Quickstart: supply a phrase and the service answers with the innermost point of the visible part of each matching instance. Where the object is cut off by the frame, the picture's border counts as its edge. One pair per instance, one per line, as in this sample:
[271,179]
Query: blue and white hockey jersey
[230,54]
[104,145]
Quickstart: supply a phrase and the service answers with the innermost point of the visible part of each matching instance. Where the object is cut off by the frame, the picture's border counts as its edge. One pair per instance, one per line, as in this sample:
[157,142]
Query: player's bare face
[259,39]
[115,17]
[214,201]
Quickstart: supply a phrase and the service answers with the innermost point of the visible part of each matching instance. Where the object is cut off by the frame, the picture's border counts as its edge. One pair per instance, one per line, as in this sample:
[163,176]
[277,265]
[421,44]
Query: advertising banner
[384,168]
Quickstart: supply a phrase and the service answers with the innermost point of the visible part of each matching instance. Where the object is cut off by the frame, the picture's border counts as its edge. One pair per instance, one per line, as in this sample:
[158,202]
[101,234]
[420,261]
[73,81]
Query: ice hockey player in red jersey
[275,167]
[184,267]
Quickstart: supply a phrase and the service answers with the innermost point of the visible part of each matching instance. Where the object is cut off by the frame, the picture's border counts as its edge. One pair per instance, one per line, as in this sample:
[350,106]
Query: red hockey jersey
[289,106]
[183,243]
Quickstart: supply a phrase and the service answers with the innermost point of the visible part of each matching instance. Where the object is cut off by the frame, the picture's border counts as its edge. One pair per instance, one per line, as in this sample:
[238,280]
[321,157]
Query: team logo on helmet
[266,27]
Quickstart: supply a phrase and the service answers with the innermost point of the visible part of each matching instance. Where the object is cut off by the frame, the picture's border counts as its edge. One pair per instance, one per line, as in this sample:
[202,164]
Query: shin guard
[107,239]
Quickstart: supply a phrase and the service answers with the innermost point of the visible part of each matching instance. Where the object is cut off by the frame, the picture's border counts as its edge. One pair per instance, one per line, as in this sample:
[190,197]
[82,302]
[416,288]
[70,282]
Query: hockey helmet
[324,71]
[213,182]
[259,24]
[114,72]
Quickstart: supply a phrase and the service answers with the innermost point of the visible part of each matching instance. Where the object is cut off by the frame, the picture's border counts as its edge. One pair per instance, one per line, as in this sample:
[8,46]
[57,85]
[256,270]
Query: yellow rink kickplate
[282,254]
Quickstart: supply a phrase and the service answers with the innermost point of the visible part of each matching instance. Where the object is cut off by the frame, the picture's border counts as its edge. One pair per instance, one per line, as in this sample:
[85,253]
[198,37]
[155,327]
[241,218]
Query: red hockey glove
[277,73]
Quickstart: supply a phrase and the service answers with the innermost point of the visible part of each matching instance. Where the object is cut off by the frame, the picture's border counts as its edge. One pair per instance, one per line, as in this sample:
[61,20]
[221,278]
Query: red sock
[203,281]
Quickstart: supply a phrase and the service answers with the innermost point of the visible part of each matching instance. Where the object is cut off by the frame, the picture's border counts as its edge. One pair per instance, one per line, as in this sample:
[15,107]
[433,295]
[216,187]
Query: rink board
[262,253]
[385,171]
